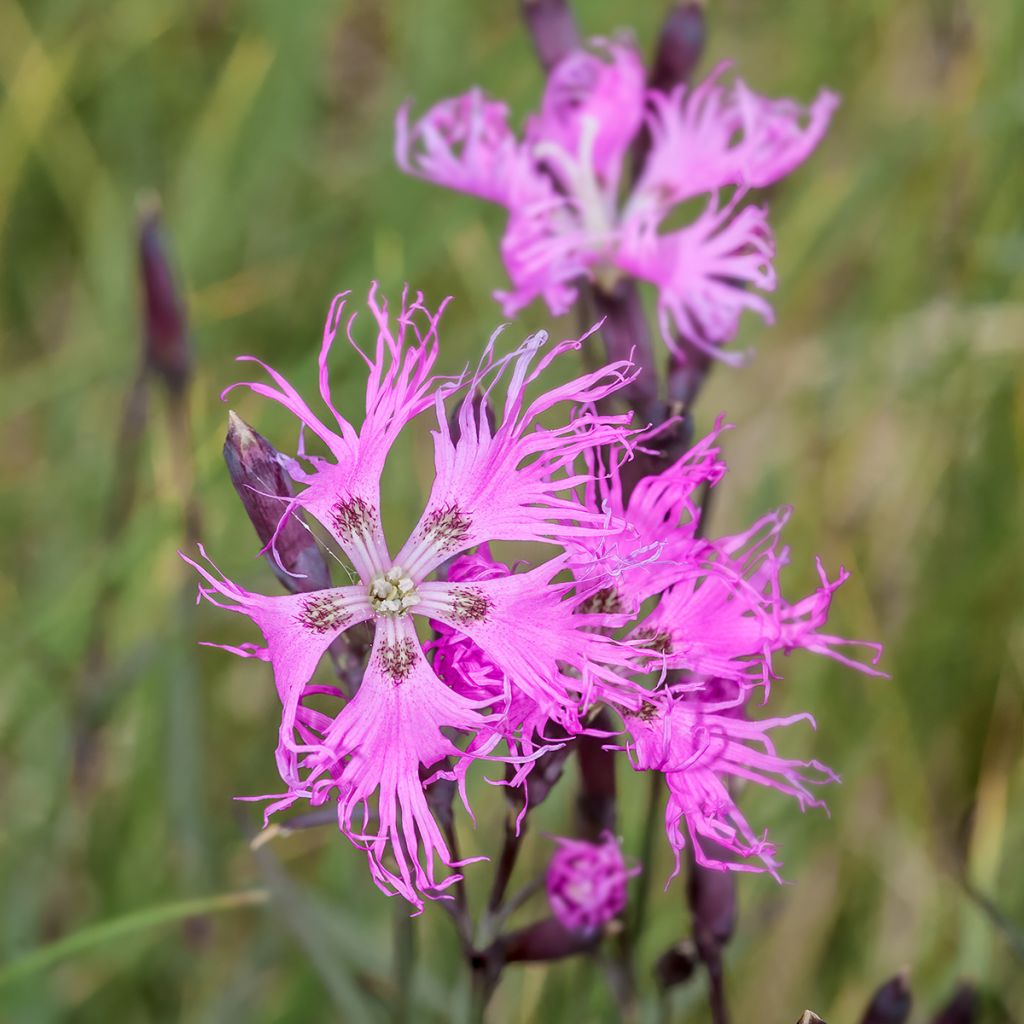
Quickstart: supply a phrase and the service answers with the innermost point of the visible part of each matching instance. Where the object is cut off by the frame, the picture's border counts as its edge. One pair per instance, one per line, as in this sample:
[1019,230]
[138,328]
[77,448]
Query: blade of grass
[45,957]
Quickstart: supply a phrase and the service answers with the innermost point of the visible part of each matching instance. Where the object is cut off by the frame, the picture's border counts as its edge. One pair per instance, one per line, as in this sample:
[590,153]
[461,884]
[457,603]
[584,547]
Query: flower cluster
[579,211]
[523,654]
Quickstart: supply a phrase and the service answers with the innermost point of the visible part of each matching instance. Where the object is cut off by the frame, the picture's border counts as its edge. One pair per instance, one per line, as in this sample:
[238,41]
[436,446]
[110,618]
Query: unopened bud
[676,965]
[679,46]
[163,310]
[546,939]
[961,1009]
[712,898]
[265,490]
[552,28]
[891,1003]
[810,1017]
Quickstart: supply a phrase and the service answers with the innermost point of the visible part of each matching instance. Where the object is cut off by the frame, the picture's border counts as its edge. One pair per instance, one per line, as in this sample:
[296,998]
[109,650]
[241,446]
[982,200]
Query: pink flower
[516,480]
[720,611]
[701,747]
[586,882]
[572,216]
[717,624]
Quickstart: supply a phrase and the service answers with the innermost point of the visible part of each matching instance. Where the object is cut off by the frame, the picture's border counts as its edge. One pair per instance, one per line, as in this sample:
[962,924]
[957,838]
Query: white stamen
[393,592]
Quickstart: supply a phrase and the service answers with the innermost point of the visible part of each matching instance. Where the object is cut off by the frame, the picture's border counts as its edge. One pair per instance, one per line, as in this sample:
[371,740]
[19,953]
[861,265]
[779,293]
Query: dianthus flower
[705,647]
[516,480]
[586,882]
[708,643]
[573,214]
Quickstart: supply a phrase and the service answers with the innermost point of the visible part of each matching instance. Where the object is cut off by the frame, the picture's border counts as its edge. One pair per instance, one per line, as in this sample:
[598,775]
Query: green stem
[643,880]
[404,964]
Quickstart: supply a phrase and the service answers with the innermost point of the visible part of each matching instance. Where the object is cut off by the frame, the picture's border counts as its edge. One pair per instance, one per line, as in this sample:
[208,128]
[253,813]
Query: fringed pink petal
[344,495]
[370,756]
[699,750]
[515,481]
[463,143]
[707,274]
[606,87]
[298,629]
[714,136]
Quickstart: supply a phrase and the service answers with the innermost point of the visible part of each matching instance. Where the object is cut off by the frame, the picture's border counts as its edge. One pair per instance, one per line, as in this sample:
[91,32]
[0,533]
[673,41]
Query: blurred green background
[887,405]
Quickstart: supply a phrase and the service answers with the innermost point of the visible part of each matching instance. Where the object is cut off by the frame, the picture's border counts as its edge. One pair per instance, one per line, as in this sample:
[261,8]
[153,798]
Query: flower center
[393,592]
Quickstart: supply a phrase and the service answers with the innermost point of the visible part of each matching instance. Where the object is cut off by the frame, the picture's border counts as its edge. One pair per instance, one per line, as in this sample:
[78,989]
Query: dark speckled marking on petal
[469,605]
[397,659]
[323,613]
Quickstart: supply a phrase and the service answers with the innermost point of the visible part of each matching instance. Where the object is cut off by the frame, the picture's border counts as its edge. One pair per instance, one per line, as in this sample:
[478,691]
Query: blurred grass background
[887,405]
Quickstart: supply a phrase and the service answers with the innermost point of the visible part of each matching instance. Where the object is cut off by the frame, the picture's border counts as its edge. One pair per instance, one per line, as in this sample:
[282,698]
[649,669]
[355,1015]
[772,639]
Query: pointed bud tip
[810,1017]
[240,433]
[892,1001]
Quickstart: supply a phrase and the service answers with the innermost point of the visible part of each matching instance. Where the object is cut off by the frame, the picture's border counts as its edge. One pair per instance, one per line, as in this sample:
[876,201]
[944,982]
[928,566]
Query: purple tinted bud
[552,28]
[545,940]
[676,965]
[891,1003]
[679,46]
[264,488]
[961,1009]
[712,898]
[164,322]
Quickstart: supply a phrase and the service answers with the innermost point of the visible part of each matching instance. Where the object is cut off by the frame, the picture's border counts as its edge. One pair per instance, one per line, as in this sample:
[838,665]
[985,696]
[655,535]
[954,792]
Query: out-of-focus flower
[574,216]
[587,882]
[514,481]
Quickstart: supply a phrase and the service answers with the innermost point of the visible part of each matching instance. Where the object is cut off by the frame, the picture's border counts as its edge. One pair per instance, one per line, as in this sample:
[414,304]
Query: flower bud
[587,882]
[810,1017]
[164,323]
[676,965]
[891,1003]
[961,1009]
[547,939]
[712,898]
[679,46]
[264,488]
[552,28]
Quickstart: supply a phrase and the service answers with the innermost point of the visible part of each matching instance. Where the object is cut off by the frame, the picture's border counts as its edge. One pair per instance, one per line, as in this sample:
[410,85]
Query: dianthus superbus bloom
[708,645]
[586,882]
[574,213]
[705,620]
[516,480]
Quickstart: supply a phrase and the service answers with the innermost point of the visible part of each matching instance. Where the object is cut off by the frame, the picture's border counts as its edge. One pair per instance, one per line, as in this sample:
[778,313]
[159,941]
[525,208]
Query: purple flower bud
[676,965]
[264,488]
[552,28]
[679,46]
[891,1003]
[712,898]
[547,939]
[164,322]
[961,1009]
